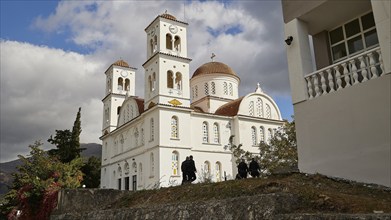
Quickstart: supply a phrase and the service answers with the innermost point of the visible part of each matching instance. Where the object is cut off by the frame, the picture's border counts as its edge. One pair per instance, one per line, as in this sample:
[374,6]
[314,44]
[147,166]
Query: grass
[317,193]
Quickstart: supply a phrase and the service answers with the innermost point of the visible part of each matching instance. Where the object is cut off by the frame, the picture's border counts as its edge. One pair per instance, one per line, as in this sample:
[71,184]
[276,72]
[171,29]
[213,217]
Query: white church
[144,141]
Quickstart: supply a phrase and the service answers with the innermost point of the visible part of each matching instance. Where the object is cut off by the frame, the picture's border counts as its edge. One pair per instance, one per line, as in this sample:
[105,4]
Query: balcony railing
[349,72]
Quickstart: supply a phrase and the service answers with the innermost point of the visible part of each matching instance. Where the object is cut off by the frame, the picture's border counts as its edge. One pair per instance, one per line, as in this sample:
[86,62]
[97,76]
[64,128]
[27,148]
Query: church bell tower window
[170,80]
[169,41]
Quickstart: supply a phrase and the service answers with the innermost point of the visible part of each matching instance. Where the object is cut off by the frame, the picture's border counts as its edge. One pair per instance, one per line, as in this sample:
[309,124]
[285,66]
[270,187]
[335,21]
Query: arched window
[121,141]
[196,91]
[118,110]
[205,133]
[169,41]
[174,162]
[268,111]
[131,112]
[225,88]
[251,108]
[261,134]
[207,168]
[151,44]
[170,80]
[152,161]
[206,88]
[152,128]
[120,83]
[150,83]
[140,173]
[259,107]
[153,81]
[174,127]
[119,171]
[177,44]
[127,113]
[142,136]
[213,85]
[155,43]
[127,84]
[216,136]
[230,89]
[254,136]
[269,134]
[115,147]
[136,136]
[218,171]
[178,80]
[126,168]
[192,93]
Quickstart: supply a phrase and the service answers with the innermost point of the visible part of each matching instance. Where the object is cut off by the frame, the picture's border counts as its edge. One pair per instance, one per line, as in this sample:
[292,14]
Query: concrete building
[339,70]
[145,140]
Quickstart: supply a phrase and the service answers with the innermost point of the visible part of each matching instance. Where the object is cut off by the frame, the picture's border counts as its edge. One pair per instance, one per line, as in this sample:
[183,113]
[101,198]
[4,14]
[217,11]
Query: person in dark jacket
[243,169]
[185,170]
[254,168]
[192,169]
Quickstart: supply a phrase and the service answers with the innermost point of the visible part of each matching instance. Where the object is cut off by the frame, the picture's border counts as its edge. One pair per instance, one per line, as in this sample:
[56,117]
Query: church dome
[214,67]
[121,63]
[168,16]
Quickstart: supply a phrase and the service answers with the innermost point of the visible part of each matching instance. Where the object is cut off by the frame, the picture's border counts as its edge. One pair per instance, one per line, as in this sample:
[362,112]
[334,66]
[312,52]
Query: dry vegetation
[317,193]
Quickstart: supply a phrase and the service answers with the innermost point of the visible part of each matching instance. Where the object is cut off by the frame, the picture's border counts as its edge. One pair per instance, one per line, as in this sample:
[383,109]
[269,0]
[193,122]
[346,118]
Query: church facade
[145,140]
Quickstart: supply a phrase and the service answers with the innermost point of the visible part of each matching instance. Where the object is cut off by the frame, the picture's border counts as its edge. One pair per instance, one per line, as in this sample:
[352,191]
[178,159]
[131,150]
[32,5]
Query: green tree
[280,154]
[91,170]
[35,186]
[67,142]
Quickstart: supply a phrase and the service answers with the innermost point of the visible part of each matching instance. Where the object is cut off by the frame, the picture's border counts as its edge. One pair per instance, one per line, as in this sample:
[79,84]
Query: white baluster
[316,85]
[309,86]
[338,76]
[363,68]
[354,71]
[372,64]
[380,61]
[346,74]
[323,82]
[331,80]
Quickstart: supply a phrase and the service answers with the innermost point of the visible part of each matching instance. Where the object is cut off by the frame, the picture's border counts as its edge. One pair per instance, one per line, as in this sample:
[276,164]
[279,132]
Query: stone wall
[95,204]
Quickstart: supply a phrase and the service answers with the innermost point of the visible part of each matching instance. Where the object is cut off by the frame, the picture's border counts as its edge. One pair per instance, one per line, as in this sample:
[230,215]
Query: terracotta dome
[214,67]
[121,63]
[168,16]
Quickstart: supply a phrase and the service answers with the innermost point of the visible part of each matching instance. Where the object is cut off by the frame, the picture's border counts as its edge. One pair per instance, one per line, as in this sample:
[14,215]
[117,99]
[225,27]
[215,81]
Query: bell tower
[120,82]
[167,65]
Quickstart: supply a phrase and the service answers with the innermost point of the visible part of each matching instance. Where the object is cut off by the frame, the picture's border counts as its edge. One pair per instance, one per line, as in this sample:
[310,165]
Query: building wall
[351,139]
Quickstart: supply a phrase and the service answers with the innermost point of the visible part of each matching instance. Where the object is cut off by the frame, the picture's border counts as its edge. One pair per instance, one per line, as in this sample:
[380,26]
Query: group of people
[243,169]
[188,170]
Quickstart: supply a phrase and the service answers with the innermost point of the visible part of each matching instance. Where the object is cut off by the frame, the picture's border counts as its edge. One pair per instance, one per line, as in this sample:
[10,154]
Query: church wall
[182,33]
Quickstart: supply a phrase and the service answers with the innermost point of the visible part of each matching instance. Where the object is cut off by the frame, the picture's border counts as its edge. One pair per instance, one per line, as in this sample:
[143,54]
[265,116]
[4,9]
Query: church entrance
[134,182]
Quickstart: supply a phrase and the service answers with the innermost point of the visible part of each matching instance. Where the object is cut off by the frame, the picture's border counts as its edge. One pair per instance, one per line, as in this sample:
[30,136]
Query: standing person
[254,168]
[192,169]
[243,169]
[185,170]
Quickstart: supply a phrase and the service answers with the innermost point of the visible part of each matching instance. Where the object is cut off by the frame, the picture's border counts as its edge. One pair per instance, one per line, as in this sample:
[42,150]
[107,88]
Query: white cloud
[42,87]
[41,90]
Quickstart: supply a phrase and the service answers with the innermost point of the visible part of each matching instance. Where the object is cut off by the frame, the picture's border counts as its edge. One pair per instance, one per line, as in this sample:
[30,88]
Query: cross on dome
[213,56]
[258,89]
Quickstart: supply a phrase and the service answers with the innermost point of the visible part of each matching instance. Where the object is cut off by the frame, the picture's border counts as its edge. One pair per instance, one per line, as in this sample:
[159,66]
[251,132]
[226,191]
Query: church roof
[140,104]
[121,63]
[214,67]
[230,109]
[168,16]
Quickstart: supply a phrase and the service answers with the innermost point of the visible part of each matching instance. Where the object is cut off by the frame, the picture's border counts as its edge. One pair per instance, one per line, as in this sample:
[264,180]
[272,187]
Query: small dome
[168,16]
[214,67]
[121,63]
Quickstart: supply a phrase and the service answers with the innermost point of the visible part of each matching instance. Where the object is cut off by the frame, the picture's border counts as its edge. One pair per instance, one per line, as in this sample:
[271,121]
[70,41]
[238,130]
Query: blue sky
[54,53]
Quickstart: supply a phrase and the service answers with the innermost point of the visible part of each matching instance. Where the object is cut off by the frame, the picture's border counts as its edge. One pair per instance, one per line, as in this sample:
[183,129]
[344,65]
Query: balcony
[352,71]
